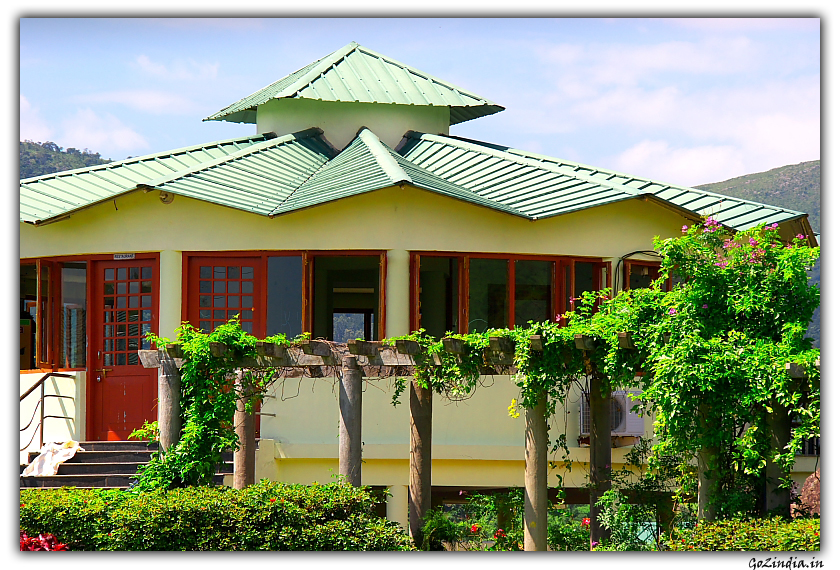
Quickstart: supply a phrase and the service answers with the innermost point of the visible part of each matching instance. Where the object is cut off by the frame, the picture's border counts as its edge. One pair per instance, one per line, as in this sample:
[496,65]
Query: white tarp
[51,456]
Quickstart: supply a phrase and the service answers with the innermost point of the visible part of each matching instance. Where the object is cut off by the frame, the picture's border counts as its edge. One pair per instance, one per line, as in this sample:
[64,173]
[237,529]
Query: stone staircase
[106,464]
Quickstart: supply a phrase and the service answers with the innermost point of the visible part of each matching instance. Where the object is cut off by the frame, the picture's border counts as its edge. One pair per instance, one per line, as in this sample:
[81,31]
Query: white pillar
[169,318]
[396,507]
[397,281]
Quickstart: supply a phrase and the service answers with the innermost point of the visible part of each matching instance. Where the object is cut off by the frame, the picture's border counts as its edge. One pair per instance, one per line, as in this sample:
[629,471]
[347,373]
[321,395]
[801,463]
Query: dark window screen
[488,294]
[285,282]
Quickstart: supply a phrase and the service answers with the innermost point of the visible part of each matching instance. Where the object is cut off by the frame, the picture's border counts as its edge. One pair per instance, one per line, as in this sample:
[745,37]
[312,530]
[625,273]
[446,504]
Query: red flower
[272,500]
[499,534]
[585,522]
[474,528]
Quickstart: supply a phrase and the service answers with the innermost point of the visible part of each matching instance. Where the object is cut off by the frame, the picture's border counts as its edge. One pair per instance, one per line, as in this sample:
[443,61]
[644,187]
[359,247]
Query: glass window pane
[133,301]
[134,287]
[121,288]
[109,275]
[121,303]
[218,286]
[146,287]
[204,301]
[233,300]
[219,301]
[120,359]
[133,316]
[205,287]
[439,294]
[233,273]
[146,315]
[248,286]
[219,272]
[147,301]
[109,288]
[134,273]
[233,287]
[204,314]
[133,358]
[584,277]
[533,291]
[122,273]
[247,273]
[204,325]
[146,272]
[488,294]
[205,272]
[219,314]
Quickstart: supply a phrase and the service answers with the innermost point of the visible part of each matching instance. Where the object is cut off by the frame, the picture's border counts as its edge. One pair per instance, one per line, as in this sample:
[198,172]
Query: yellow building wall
[475,442]
[71,405]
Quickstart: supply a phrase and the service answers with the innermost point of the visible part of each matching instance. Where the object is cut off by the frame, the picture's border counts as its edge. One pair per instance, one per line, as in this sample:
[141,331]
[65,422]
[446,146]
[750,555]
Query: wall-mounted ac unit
[623,421]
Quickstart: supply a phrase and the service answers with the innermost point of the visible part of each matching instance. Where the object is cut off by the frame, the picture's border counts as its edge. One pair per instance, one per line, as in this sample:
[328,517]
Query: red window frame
[563,266]
[48,335]
[190,285]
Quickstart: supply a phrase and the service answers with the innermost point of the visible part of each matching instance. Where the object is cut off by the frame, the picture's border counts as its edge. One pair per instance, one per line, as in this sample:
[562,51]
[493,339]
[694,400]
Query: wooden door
[124,301]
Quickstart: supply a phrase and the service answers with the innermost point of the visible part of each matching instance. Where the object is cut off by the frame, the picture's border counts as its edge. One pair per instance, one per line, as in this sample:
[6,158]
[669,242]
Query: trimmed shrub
[266,516]
[774,534]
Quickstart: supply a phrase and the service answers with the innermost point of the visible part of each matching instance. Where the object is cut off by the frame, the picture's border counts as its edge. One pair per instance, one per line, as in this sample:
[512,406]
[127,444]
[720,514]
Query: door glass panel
[488,294]
[121,341]
[284,313]
[533,291]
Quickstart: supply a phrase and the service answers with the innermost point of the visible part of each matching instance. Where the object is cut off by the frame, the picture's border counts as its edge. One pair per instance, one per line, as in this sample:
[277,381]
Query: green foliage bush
[774,534]
[266,516]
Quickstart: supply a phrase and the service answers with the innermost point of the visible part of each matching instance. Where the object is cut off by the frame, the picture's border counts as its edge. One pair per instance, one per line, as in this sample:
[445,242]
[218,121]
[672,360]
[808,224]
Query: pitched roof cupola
[355,87]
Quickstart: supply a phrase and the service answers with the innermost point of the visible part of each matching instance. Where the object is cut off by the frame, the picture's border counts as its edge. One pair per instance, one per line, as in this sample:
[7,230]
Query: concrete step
[86,481]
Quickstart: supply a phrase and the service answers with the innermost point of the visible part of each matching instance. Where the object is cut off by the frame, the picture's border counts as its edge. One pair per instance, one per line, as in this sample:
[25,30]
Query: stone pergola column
[245,425]
[350,422]
[536,477]
[169,401]
[420,458]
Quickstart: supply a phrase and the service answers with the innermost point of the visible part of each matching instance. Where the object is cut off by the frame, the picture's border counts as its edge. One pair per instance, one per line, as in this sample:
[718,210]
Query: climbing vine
[209,394]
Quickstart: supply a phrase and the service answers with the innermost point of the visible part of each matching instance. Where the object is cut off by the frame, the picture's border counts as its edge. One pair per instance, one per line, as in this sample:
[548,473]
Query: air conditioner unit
[623,421]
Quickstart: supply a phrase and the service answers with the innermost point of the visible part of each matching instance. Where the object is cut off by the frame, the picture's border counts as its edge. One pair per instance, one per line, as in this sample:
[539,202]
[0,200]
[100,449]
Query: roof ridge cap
[383,156]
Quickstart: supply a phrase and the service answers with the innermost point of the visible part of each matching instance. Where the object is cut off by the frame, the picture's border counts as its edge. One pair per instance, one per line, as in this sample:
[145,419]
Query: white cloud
[658,160]
[148,101]
[32,126]
[179,69]
[104,134]
[745,24]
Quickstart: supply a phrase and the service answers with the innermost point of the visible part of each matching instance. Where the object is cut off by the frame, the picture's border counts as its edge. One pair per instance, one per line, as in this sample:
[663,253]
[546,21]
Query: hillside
[45,158]
[797,187]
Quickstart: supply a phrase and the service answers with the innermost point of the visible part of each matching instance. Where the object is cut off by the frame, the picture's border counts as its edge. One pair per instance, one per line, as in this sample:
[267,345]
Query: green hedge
[266,516]
[752,534]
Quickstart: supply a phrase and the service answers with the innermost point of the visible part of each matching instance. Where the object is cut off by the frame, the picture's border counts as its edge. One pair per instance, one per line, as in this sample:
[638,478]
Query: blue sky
[686,101]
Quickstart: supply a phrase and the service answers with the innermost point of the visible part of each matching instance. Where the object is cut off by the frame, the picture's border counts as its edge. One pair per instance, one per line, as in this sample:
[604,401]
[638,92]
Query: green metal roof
[357,74]
[367,164]
[55,195]
[271,175]
[542,186]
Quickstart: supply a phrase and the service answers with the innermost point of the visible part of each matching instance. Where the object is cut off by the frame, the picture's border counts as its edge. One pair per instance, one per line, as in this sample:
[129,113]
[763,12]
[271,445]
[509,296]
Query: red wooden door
[124,301]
